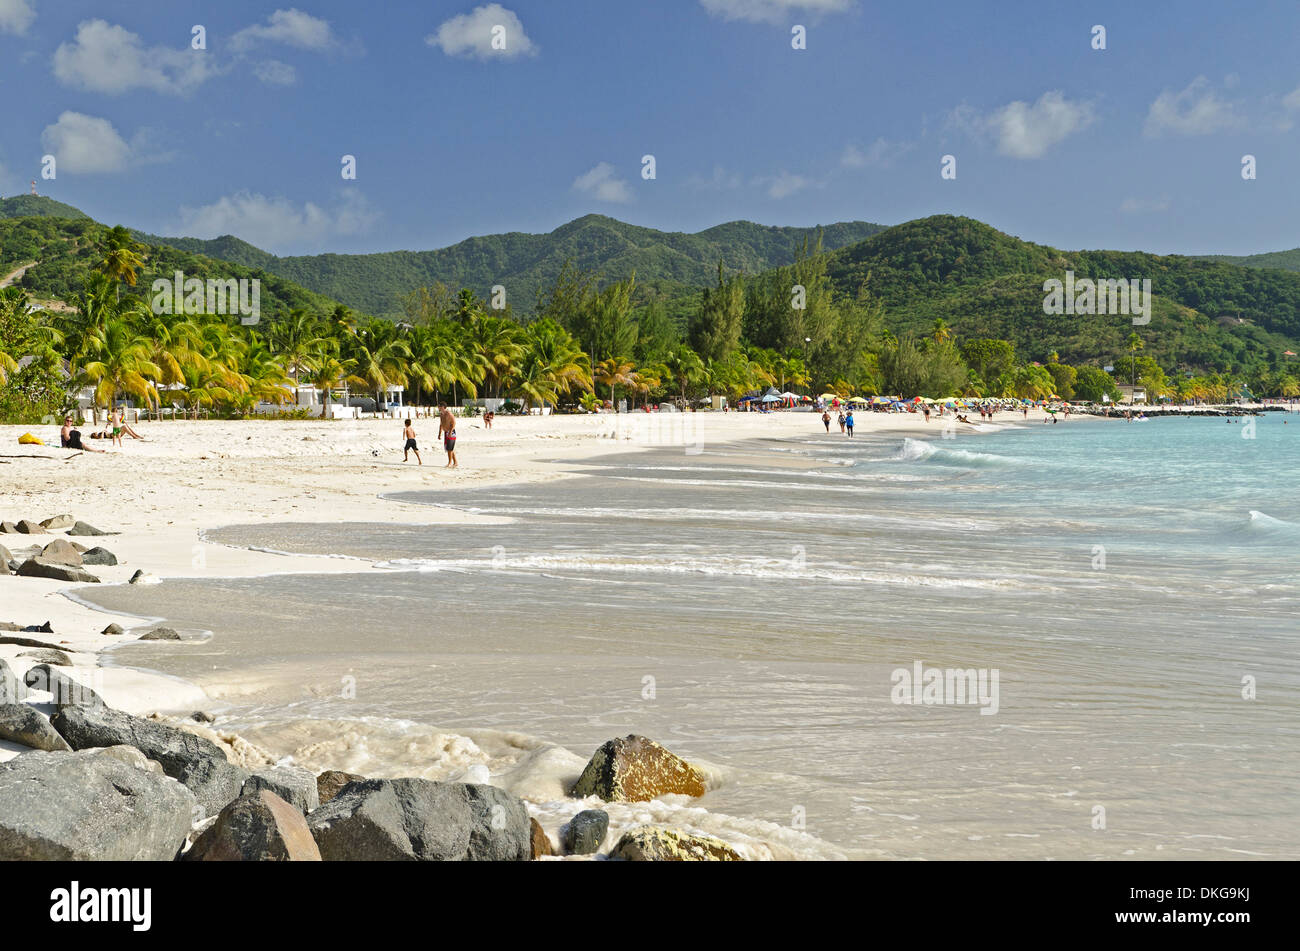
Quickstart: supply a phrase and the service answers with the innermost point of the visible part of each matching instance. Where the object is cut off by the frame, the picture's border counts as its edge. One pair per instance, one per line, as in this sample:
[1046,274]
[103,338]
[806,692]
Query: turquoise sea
[1134,587]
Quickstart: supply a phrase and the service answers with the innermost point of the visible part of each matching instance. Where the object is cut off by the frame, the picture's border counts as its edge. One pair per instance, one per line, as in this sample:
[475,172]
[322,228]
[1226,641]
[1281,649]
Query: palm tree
[121,363]
[615,372]
[381,357]
[1134,345]
[941,330]
[297,341]
[686,368]
[328,373]
[552,364]
[496,343]
[121,257]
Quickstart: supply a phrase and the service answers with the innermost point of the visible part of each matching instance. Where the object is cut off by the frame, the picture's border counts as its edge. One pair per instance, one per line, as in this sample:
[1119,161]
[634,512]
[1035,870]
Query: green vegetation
[67,250]
[37,206]
[984,283]
[1283,260]
[939,307]
[666,264]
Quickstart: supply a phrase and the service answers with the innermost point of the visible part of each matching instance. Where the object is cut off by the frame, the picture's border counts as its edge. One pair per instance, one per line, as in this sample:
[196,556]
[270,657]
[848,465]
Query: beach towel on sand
[27,439]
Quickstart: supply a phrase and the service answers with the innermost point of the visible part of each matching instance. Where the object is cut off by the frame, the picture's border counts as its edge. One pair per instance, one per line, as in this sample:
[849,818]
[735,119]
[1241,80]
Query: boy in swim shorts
[408,433]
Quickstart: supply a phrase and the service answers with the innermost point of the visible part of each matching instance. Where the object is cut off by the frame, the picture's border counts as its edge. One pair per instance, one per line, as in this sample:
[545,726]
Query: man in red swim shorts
[447,430]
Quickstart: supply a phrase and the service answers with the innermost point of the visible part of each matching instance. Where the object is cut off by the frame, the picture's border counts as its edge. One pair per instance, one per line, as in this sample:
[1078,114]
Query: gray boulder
[20,723]
[9,528]
[160,634]
[28,527]
[127,754]
[61,552]
[198,763]
[260,827]
[38,567]
[113,629]
[58,521]
[293,784]
[419,820]
[65,691]
[61,806]
[99,556]
[138,578]
[585,832]
[12,690]
[81,530]
[49,655]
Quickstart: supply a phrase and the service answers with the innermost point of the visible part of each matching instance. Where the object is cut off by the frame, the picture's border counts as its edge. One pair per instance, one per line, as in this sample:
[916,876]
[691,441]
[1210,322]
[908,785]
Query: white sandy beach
[161,493]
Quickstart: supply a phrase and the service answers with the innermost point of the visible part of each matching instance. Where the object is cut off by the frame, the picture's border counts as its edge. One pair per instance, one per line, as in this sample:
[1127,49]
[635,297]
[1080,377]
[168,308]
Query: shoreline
[517,451]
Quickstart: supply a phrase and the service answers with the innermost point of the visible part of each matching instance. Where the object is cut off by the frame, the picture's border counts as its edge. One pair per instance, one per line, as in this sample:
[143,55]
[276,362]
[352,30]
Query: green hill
[985,283]
[37,206]
[666,263]
[1283,260]
[65,250]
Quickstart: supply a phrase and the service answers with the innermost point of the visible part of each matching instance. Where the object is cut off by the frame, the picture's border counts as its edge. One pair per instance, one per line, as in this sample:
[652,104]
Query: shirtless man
[447,432]
[408,433]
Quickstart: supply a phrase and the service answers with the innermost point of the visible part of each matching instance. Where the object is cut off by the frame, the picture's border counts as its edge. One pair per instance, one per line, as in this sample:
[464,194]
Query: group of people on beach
[114,429]
[846,421]
[446,432]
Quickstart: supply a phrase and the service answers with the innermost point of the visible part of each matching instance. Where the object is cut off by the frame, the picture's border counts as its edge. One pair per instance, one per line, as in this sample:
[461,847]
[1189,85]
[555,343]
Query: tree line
[584,343]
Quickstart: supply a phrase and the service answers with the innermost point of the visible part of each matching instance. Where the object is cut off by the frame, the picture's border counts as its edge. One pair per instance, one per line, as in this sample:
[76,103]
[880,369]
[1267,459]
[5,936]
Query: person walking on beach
[447,432]
[826,421]
[925,408]
[841,421]
[848,423]
[408,433]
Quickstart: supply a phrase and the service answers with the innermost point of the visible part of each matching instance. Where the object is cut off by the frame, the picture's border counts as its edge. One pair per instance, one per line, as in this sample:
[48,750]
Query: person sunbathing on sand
[70,438]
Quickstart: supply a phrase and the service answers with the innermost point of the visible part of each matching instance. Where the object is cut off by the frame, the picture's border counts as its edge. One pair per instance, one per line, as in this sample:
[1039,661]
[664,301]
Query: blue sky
[1139,145]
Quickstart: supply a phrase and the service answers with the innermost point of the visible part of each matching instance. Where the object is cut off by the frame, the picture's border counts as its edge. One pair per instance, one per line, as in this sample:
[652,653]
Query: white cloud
[275,73]
[1027,131]
[84,144]
[1291,101]
[1196,110]
[881,153]
[292,27]
[16,16]
[784,184]
[720,179]
[110,59]
[1137,206]
[603,184]
[471,34]
[773,11]
[277,224]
